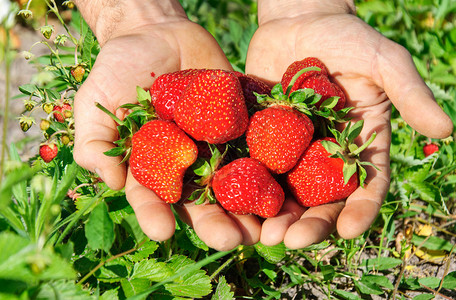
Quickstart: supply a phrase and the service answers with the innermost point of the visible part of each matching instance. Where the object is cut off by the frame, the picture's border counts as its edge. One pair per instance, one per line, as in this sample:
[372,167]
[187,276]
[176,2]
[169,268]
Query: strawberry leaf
[202,167]
[126,156]
[130,106]
[202,197]
[261,98]
[349,170]
[362,173]
[216,156]
[367,163]
[330,102]
[331,147]
[116,151]
[352,148]
[210,197]
[196,194]
[143,97]
[304,96]
[354,131]
[277,91]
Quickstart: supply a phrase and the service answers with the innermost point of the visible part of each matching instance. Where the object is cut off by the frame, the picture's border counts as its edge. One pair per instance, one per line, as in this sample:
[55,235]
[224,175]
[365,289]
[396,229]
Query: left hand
[373,71]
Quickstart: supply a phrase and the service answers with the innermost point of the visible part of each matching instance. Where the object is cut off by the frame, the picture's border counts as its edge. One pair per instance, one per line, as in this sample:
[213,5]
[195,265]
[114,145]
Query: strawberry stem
[297,75]
[365,145]
[113,116]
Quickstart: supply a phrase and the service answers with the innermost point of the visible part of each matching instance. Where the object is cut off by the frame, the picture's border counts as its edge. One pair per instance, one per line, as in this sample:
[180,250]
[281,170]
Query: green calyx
[348,151]
[305,100]
[206,169]
[140,114]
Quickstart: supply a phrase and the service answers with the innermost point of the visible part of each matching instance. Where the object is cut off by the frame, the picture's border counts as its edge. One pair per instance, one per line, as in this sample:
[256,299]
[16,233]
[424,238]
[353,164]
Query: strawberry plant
[64,234]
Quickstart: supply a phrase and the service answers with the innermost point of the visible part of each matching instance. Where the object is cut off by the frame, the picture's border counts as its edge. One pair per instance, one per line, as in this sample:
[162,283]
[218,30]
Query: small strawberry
[62,112]
[78,72]
[317,80]
[430,148]
[161,153]
[277,136]
[167,90]
[251,85]
[329,170]
[212,108]
[47,107]
[48,151]
[245,186]
[25,122]
[44,124]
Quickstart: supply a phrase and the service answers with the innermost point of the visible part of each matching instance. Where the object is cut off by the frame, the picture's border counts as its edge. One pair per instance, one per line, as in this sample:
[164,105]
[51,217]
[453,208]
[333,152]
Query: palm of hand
[124,63]
[372,70]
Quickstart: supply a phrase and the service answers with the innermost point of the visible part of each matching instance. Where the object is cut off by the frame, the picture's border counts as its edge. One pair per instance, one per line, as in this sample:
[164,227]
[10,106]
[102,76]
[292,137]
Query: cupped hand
[127,61]
[374,72]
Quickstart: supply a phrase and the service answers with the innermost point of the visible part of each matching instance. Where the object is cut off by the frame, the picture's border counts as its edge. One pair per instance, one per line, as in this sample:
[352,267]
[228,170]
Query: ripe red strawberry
[430,148]
[251,84]
[319,179]
[277,136]
[297,66]
[62,112]
[317,80]
[161,153]
[48,151]
[212,108]
[323,86]
[167,90]
[245,186]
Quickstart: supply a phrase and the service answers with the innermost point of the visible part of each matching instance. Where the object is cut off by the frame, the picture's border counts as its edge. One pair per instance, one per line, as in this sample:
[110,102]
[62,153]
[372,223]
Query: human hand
[374,72]
[138,38]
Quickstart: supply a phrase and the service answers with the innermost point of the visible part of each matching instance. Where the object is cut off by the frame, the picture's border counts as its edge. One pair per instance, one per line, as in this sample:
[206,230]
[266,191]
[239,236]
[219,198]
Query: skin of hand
[374,72]
[137,38]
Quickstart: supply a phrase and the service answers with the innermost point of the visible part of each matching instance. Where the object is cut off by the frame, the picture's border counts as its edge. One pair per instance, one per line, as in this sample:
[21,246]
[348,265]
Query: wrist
[112,18]
[269,10]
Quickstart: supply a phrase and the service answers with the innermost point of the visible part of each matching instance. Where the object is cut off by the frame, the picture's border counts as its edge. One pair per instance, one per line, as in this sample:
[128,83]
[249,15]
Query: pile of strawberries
[233,139]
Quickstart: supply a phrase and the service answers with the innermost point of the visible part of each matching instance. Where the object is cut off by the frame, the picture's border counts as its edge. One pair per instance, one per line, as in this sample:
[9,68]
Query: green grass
[54,247]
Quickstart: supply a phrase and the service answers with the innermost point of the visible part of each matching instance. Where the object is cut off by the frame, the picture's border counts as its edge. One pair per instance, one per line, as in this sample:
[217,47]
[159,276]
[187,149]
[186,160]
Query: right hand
[124,62]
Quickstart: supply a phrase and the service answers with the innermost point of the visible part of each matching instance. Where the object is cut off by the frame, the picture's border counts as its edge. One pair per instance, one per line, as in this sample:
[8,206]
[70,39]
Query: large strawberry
[167,90]
[319,81]
[212,108]
[277,136]
[329,170]
[161,153]
[245,186]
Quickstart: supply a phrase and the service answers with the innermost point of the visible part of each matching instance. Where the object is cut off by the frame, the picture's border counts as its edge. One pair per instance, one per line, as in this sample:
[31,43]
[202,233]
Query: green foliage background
[55,247]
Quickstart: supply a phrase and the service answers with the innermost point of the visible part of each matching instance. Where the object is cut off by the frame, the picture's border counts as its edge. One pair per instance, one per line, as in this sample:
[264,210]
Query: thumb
[409,93]
[95,132]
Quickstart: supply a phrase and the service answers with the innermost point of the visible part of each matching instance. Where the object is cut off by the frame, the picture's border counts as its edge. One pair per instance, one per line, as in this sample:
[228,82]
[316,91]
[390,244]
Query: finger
[94,133]
[250,228]
[274,229]
[155,216]
[212,225]
[315,225]
[112,82]
[363,205]
[406,89]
